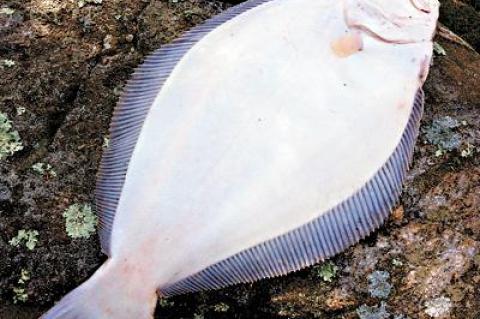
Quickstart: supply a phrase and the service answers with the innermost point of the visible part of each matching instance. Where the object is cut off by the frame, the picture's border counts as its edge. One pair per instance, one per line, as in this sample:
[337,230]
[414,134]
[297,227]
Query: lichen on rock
[9,139]
[80,221]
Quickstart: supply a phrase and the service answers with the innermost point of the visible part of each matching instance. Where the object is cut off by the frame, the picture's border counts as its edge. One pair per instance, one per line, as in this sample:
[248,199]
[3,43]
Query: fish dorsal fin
[332,232]
[132,110]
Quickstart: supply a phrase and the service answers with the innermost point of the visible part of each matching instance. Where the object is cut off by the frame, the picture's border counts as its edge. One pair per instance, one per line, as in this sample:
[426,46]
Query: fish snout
[426,6]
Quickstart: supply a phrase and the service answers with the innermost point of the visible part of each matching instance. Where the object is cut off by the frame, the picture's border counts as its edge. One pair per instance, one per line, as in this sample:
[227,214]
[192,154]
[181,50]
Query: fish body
[268,139]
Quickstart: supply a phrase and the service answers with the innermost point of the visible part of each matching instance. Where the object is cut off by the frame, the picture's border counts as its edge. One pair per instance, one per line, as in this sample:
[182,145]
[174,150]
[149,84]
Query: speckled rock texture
[71,59]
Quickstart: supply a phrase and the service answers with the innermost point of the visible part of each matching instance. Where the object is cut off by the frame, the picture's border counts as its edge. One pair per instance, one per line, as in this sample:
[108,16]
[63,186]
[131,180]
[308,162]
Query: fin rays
[323,237]
[317,240]
[132,110]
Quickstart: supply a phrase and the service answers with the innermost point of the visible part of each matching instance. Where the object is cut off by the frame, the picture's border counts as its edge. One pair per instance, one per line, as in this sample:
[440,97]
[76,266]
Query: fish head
[394,21]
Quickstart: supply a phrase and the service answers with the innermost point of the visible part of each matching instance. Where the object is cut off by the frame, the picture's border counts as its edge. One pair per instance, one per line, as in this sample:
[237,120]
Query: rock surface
[71,59]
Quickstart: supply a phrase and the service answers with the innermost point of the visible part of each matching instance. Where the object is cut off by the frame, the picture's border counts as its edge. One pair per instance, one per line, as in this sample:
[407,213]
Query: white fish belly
[260,128]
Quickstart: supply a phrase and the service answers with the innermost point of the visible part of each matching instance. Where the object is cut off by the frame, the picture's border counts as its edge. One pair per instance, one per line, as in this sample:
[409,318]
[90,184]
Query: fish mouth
[422,5]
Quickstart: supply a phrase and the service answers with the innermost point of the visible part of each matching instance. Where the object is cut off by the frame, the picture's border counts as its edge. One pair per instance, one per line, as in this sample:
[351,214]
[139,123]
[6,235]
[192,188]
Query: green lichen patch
[443,133]
[221,307]
[7,11]
[80,221]
[19,295]
[82,3]
[19,292]
[29,238]
[449,134]
[379,312]
[327,271]
[106,142]
[165,303]
[24,277]
[9,139]
[44,169]
[8,63]
[378,284]
[438,49]
[21,110]
[468,151]
[397,262]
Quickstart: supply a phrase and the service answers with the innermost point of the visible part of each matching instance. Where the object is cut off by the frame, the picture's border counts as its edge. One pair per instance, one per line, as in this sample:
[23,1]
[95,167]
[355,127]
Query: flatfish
[270,138]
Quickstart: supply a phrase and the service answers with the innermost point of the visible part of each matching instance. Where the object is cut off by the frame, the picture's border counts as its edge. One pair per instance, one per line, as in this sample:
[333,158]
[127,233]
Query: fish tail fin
[106,295]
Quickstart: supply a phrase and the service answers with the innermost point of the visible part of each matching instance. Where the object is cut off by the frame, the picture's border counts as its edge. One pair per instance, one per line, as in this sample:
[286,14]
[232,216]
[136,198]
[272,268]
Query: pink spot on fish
[347,45]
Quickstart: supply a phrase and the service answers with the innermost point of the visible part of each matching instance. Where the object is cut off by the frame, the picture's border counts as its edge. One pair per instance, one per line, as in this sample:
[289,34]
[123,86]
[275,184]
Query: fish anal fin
[330,233]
